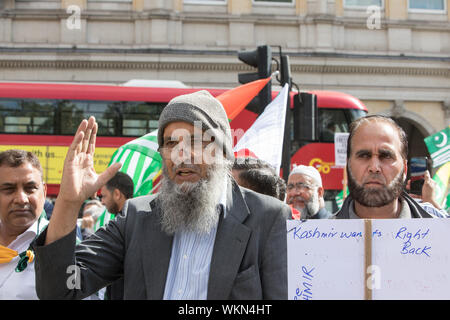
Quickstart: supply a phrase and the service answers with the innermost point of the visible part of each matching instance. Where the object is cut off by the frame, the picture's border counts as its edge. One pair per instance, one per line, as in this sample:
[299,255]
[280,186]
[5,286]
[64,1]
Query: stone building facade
[394,57]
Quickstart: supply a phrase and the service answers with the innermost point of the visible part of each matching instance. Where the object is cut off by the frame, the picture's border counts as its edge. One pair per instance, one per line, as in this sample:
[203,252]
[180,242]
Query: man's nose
[21,197]
[184,153]
[374,165]
[293,192]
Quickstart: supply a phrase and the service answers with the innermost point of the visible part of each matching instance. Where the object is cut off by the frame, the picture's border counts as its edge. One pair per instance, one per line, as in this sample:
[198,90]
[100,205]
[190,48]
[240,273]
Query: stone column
[339,8]
[73,25]
[301,7]
[399,39]
[7,4]
[240,6]
[6,30]
[240,33]
[157,4]
[448,9]
[396,10]
[317,6]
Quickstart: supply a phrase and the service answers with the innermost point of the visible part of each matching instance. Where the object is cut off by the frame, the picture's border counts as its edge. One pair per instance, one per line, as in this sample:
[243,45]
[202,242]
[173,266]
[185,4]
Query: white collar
[33,231]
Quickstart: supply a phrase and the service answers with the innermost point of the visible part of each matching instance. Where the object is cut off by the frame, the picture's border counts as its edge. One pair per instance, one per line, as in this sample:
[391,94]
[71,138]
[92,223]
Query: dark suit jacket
[249,258]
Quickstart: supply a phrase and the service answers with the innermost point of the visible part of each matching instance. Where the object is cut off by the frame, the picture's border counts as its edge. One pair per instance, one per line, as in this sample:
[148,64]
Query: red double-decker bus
[43,117]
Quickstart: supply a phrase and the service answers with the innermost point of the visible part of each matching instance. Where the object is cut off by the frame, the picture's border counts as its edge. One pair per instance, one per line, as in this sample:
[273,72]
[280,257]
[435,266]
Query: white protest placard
[322,259]
[408,259]
[413,256]
[340,148]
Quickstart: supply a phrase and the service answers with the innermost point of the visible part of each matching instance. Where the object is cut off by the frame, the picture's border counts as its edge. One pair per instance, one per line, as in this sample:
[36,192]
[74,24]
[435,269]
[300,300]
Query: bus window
[118,118]
[140,118]
[105,112]
[356,114]
[331,121]
[115,118]
[26,116]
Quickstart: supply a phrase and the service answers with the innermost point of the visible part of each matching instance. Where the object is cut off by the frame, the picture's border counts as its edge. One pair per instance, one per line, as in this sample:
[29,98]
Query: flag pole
[286,154]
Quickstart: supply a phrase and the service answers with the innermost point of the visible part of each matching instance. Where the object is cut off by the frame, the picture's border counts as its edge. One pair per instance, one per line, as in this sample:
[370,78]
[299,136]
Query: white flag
[265,137]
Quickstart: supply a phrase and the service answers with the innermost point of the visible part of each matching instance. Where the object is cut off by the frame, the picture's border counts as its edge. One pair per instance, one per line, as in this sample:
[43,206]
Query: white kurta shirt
[20,285]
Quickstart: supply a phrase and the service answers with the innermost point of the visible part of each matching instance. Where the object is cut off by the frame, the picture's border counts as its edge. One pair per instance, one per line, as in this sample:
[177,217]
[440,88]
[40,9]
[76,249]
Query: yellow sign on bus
[52,159]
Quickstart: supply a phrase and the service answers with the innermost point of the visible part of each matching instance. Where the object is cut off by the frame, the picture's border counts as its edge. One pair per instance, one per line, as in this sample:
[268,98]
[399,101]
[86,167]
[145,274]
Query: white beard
[192,206]
[311,207]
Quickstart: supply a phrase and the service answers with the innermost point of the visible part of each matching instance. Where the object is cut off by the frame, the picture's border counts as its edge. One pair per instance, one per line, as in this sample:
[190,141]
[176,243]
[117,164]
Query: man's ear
[117,194]
[44,186]
[320,191]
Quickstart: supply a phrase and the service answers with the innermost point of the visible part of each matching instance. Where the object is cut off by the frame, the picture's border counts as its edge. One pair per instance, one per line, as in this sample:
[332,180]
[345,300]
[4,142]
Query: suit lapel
[230,244]
[157,248]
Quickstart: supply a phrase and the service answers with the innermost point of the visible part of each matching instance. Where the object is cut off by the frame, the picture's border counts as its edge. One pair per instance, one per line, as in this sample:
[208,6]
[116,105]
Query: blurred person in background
[305,194]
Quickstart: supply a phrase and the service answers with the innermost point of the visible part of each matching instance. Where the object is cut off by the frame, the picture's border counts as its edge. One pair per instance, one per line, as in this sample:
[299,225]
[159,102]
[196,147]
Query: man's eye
[7,190]
[170,143]
[31,189]
[364,155]
[386,156]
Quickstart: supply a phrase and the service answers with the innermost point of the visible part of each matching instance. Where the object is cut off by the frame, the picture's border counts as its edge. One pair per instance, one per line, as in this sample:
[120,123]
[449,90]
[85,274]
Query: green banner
[438,145]
[441,178]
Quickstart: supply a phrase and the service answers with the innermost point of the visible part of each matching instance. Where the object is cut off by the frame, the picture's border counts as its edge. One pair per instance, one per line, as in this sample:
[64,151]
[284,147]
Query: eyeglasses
[193,146]
[299,186]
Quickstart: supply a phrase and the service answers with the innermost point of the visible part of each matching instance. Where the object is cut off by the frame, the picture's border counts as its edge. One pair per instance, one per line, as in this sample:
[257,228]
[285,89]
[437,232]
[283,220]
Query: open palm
[79,179]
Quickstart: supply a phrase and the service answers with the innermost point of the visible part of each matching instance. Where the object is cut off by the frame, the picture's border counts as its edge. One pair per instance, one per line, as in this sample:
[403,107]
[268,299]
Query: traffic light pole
[285,75]
[261,58]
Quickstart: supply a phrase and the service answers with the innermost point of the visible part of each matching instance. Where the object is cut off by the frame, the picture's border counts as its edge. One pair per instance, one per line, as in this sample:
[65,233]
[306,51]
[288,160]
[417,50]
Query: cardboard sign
[340,148]
[368,259]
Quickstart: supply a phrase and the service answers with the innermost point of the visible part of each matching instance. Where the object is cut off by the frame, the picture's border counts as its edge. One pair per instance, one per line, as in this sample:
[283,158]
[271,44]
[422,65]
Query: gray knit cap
[199,106]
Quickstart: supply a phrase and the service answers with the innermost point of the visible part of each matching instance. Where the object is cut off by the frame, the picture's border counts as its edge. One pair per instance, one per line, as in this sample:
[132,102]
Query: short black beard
[375,197]
[192,206]
[114,209]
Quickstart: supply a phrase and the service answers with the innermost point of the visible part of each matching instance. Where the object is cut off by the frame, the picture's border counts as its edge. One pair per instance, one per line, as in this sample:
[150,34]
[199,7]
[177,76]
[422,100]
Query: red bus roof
[92,92]
[27,90]
[339,100]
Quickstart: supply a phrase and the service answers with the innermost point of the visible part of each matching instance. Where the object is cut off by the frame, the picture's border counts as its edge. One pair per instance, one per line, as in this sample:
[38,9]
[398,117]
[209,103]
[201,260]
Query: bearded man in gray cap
[200,237]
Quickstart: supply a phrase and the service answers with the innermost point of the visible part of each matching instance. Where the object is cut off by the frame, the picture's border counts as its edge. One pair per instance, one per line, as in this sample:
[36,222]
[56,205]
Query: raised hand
[79,179]
[429,190]
[78,182]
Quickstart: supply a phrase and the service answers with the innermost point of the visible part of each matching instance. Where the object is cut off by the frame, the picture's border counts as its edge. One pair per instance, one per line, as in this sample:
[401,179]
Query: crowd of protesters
[215,230]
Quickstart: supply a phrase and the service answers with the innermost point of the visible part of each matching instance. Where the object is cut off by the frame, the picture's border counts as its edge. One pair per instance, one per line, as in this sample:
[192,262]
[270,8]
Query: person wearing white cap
[305,193]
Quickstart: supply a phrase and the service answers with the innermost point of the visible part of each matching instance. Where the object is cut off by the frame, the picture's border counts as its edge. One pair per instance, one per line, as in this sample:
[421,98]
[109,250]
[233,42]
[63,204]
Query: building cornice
[213,66]
[217,17]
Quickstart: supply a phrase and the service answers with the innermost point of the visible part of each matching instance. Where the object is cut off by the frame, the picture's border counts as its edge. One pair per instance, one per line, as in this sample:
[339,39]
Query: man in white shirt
[22,197]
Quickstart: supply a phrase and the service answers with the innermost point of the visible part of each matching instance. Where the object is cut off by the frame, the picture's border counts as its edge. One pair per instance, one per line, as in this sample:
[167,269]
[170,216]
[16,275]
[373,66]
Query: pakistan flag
[142,162]
[439,147]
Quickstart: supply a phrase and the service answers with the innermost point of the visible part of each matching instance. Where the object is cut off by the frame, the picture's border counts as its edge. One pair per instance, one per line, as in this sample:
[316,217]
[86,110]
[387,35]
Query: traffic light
[261,58]
[306,117]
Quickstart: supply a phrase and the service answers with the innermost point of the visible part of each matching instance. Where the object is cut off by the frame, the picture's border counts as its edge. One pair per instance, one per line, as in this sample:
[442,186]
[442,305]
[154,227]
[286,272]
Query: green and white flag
[340,198]
[441,178]
[142,162]
[439,147]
